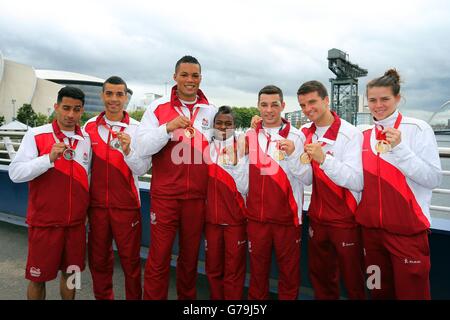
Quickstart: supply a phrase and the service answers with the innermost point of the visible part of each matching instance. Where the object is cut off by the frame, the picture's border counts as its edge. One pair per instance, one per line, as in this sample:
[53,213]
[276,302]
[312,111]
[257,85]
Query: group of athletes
[369,208]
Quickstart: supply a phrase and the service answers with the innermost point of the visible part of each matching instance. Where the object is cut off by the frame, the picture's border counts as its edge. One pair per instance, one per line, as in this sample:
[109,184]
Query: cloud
[242,45]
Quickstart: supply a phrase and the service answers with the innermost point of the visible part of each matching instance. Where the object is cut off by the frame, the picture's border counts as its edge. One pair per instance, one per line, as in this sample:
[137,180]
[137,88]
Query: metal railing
[443,153]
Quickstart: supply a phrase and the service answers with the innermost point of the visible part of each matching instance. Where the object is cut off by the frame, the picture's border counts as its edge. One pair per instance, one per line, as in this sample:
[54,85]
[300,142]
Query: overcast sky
[242,45]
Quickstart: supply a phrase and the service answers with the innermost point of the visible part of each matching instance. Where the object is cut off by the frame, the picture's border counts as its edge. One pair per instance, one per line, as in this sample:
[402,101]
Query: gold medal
[305,158]
[227,156]
[222,161]
[383,146]
[279,155]
[189,132]
[69,154]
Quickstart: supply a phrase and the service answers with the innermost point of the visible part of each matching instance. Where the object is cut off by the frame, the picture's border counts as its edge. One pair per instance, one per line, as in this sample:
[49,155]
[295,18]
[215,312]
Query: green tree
[87,115]
[244,116]
[2,120]
[41,119]
[137,114]
[26,115]
[51,117]
[84,117]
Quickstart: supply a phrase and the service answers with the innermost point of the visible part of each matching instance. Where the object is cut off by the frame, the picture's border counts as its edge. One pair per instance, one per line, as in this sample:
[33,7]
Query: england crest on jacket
[205,124]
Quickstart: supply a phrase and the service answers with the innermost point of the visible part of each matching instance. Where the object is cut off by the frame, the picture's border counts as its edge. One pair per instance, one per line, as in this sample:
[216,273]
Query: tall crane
[344,88]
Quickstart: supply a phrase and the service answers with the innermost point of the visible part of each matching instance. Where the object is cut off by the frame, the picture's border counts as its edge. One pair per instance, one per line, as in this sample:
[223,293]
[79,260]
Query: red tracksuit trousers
[334,252]
[286,240]
[125,227]
[226,253]
[167,217]
[403,261]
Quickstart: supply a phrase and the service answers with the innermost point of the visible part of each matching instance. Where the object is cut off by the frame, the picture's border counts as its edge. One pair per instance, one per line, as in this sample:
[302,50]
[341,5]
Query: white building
[21,84]
[144,102]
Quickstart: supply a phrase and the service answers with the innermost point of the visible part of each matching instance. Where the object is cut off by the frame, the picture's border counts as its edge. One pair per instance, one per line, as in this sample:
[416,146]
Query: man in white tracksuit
[333,152]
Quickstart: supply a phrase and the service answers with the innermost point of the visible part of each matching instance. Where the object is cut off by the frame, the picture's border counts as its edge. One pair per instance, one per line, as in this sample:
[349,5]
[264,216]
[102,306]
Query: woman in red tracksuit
[225,228]
[401,167]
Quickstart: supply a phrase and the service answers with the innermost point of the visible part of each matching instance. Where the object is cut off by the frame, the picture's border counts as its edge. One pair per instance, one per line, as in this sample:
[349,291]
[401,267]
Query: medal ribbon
[222,150]
[283,131]
[60,135]
[111,133]
[193,114]
[269,140]
[382,136]
[331,133]
[311,132]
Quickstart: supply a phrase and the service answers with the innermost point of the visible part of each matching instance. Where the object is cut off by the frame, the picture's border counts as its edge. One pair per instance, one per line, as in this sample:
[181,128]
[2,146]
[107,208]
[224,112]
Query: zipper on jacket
[187,182]
[320,208]
[379,189]
[70,191]
[262,197]
[107,169]
[263,182]
[215,194]
[319,199]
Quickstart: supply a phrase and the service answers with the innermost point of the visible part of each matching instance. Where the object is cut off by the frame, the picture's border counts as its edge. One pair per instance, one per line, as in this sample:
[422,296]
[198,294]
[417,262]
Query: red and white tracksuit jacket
[114,207]
[274,211]
[275,192]
[114,182]
[394,209]
[179,170]
[338,181]
[337,184]
[398,184]
[227,187]
[225,228]
[178,190]
[59,191]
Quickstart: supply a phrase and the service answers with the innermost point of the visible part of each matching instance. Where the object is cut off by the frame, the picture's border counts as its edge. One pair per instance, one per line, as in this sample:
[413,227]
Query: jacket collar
[284,131]
[101,118]
[60,135]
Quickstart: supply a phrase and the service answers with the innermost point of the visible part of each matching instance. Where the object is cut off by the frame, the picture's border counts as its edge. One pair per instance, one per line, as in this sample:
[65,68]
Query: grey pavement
[13,285]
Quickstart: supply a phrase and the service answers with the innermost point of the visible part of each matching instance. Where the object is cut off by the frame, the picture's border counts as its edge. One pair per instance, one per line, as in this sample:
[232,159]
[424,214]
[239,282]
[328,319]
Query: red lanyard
[269,138]
[193,114]
[112,133]
[382,136]
[108,127]
[74,145]
[60,136]
[309,138]
[223,150]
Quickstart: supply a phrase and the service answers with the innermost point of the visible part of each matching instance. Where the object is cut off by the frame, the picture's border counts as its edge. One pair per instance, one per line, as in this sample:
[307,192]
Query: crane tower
[344,88]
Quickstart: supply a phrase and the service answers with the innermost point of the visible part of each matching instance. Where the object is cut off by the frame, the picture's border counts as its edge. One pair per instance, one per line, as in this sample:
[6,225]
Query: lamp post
[14,109]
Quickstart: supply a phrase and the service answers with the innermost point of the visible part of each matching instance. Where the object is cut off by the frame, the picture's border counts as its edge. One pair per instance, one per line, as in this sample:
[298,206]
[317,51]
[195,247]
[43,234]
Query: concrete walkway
[13,285]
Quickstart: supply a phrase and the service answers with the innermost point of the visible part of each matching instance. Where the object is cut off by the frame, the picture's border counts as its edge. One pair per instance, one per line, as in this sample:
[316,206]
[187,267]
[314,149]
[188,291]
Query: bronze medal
[189,132]
[382,146]
[69,154]
[305,158]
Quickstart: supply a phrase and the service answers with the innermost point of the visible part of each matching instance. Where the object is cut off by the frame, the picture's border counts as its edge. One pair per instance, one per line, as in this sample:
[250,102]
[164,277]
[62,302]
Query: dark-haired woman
[401,167]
